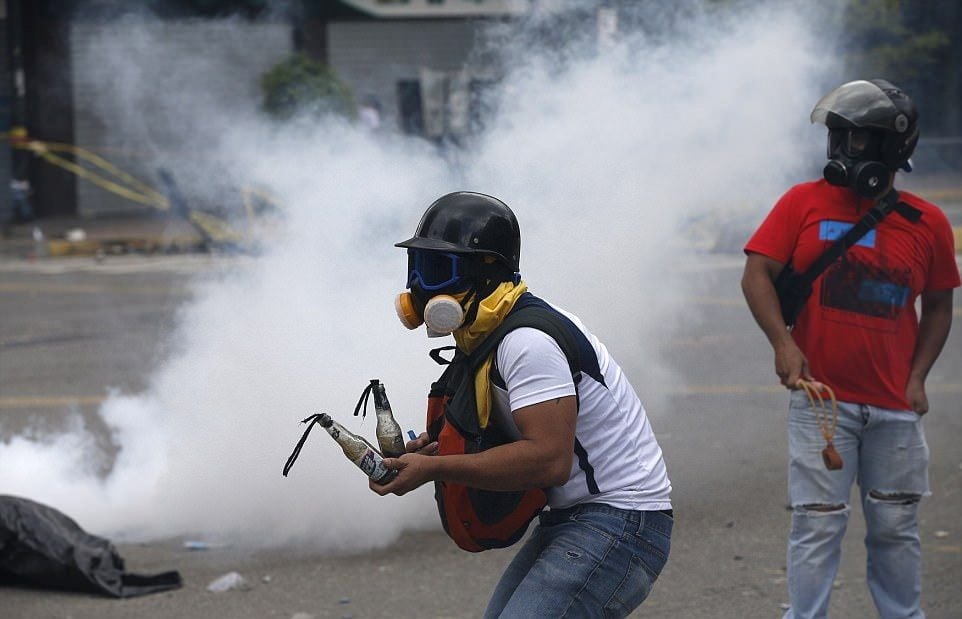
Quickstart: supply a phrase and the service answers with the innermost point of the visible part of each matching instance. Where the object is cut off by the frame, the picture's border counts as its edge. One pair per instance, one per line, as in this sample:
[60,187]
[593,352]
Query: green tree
[300,85]
[886,38]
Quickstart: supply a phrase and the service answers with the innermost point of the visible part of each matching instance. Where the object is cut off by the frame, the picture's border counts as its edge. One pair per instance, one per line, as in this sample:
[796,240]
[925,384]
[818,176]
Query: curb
[92,247]
[116,242]
[61,248]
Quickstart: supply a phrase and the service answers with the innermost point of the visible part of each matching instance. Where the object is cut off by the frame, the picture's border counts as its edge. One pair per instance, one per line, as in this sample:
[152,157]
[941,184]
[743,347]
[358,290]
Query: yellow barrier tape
[263,195]
[249,193]
[156,202]
[215,227]
[97,160]
[146,195]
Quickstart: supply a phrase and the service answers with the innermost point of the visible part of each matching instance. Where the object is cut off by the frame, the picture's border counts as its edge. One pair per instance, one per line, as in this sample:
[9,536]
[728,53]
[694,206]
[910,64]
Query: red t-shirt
[859,327]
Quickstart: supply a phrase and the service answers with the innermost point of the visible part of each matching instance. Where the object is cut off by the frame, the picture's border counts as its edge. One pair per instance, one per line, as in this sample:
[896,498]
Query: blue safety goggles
[433,270]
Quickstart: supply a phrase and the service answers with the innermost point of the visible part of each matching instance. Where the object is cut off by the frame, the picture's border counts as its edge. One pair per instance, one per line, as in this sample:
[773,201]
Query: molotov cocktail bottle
[389,436]
[358,451]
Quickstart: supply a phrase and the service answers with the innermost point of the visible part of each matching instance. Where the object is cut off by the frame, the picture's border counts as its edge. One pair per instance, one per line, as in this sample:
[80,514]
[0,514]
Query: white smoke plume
[606,154]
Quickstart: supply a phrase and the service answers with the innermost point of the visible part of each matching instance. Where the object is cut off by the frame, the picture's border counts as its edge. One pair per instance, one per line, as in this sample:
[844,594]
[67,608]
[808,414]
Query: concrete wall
[5,102]
[144,93]
[373,56]
[124,75]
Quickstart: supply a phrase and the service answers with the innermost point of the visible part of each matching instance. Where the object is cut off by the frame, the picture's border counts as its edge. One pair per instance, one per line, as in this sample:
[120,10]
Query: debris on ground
[231,581]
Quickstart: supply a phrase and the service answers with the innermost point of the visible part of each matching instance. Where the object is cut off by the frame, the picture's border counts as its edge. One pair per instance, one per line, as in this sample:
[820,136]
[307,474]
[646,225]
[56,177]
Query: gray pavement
[722,431]
[137,231]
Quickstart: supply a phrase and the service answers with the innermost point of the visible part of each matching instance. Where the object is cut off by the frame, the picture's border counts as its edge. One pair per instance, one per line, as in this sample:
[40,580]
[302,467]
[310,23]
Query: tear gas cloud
[606,155]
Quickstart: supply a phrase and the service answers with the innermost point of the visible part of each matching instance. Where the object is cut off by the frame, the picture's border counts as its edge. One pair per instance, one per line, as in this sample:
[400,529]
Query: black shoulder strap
[536,317]
[458,378]
[877,213]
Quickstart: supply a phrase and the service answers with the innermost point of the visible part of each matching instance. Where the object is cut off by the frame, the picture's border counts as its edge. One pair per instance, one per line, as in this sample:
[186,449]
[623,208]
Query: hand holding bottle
[411,471]
[367,457]
[360,452]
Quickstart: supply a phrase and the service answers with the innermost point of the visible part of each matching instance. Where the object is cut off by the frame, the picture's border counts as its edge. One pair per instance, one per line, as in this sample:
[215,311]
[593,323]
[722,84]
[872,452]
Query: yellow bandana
[491,311]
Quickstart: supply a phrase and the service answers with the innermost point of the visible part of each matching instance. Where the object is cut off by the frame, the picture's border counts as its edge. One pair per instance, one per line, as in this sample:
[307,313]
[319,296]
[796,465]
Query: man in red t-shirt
[858,332]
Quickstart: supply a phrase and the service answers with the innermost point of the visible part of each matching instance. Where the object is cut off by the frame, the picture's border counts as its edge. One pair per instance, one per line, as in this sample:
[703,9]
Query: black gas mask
[855,161]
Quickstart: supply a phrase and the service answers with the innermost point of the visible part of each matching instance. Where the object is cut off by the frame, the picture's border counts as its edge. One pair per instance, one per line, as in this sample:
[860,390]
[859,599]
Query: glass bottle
[358,451]
[389,436]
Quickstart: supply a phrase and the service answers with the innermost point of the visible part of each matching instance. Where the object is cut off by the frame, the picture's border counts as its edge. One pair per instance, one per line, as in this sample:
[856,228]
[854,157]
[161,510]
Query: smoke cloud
[606,153]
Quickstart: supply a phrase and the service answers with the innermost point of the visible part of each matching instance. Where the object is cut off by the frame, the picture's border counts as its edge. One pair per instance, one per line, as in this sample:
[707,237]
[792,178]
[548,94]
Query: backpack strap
[537,318]
[872,218]
[793,288]
[582,359]
[529,311]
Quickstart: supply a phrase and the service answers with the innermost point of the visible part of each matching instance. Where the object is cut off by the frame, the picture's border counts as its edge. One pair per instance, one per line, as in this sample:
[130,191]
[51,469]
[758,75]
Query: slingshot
[830,456]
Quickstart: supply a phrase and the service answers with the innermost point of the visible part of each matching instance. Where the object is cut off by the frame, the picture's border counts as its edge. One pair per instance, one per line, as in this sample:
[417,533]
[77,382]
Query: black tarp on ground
[42,547]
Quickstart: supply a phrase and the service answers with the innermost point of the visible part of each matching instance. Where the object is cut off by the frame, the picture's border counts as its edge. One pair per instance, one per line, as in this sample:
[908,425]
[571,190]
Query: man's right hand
[422,445]
[791,364]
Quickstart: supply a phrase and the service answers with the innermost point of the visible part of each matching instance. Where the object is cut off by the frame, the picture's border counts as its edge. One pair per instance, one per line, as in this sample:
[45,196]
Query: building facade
[6,80]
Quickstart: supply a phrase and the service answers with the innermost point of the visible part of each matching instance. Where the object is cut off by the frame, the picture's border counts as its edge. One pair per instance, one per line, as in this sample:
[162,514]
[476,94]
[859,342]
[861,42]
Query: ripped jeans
[885,451]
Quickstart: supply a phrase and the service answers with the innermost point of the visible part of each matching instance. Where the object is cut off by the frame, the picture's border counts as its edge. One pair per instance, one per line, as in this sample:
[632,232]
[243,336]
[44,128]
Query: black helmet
[465,222]
[876,105]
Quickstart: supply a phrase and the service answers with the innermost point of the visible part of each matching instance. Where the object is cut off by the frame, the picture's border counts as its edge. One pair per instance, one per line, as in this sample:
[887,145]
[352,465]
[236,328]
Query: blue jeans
[885,451]
[591,560]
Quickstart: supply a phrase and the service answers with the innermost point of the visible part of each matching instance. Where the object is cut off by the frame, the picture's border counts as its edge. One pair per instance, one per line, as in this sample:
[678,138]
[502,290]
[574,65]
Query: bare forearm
[762,300]
[541,458]
[934,326]
[759,288]
[515,466]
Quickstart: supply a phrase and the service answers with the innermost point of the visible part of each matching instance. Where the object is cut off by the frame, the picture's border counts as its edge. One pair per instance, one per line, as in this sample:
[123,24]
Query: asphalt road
[723,435]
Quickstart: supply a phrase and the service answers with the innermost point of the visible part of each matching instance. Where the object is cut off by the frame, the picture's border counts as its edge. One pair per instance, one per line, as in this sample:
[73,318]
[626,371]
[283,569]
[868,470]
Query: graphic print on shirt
[862,285]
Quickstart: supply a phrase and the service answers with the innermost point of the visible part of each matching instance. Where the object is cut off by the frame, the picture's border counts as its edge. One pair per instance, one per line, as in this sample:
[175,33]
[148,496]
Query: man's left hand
[915,394]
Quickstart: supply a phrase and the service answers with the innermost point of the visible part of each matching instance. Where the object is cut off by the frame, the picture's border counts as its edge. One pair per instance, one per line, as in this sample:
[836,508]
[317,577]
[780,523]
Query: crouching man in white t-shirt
[572,424]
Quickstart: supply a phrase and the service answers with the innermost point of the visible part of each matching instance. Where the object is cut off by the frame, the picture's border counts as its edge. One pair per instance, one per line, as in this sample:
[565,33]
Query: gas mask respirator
[853,162]
[442,314]
[430,272]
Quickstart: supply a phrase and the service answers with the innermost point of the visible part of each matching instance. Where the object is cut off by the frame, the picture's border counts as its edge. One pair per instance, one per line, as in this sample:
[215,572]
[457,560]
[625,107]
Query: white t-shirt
[617,458]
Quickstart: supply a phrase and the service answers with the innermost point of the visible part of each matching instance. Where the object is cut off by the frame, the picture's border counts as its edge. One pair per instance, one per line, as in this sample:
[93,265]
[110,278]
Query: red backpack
[481,519]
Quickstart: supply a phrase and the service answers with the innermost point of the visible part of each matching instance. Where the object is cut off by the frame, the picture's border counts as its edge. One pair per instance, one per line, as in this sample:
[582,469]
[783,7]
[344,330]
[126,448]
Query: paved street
[73,327]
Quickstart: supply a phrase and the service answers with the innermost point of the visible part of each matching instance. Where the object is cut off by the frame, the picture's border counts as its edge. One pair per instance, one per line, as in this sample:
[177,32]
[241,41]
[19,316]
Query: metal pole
[20,176]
